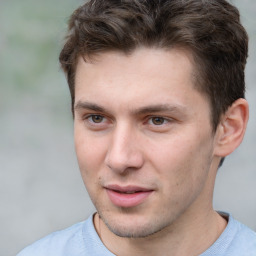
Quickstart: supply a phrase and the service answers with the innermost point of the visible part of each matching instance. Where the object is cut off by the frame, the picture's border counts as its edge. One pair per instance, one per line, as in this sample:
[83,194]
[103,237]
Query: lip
[127,196]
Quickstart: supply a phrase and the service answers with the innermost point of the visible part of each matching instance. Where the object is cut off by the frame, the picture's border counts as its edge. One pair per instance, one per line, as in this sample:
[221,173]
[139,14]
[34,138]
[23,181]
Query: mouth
[127,196]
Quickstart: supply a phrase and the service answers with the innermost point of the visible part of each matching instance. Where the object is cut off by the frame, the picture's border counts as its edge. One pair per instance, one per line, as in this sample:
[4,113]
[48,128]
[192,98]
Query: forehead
[150,57]
[143,62]
[147,75]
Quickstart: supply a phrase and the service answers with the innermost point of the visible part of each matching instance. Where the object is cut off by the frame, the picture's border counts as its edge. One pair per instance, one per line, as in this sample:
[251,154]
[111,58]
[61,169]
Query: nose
[124,152]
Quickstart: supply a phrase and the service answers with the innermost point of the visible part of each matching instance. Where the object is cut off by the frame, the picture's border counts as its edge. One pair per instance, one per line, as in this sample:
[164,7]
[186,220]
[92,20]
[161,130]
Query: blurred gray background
[40,186]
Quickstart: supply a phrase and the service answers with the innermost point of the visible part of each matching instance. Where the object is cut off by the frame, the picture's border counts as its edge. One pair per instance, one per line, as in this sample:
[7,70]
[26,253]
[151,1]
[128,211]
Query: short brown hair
[209,29]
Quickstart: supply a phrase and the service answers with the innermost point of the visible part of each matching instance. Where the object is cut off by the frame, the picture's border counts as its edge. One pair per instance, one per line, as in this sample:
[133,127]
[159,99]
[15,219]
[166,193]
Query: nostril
[125,164]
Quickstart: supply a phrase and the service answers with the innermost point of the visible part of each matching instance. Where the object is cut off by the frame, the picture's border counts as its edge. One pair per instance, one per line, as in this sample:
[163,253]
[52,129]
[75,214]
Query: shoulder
[244,240]
[236,240]
[78,240]
[58,243]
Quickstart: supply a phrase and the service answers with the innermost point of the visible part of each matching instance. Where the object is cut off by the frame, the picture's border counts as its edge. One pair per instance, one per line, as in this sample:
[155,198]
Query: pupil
[158,120]
[97,119]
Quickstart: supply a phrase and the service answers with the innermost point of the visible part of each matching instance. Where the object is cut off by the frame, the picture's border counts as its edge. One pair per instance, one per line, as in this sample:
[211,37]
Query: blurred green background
[40,185]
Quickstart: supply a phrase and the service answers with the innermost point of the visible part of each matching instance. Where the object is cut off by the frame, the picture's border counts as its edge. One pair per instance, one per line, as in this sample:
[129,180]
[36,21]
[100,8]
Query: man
[157,92]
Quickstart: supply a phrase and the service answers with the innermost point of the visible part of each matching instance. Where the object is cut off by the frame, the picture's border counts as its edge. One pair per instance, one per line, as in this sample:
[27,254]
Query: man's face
[143,139]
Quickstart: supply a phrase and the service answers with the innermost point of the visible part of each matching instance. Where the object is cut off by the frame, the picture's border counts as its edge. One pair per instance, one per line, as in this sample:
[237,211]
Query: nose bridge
[124,151]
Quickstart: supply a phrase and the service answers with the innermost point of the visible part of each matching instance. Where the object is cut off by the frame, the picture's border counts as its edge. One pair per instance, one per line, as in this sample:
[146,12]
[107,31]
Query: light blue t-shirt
[82,240]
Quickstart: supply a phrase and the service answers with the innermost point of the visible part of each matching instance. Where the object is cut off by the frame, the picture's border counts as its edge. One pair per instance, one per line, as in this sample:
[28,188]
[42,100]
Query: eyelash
[163,119]
[90,118]
[148,120]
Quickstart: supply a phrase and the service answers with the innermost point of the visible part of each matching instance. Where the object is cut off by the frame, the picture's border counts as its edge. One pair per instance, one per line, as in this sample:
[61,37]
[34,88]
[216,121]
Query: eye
[97,122]
[96,119]
[157,120]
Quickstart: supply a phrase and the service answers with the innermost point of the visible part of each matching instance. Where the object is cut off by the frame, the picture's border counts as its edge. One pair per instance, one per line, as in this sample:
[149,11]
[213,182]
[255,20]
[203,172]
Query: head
[150,82]
[210,30]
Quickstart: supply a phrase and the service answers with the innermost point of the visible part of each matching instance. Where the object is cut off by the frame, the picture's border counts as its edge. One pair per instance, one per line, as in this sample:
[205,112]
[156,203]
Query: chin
[133,227]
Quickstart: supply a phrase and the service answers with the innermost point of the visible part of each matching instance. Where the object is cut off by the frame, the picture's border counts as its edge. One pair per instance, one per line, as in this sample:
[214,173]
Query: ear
[231,129]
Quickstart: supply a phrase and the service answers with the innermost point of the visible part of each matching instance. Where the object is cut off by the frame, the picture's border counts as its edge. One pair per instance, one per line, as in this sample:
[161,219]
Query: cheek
[171,153]
[182,159]
[90,154]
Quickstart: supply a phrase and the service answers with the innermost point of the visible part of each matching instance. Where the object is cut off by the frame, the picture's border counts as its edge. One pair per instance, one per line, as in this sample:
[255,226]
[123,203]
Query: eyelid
[94,115]
[166,119]
[106,123]
[88,119]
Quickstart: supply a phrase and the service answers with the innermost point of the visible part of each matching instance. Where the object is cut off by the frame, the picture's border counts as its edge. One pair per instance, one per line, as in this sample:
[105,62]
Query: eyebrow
[88,105]
[159,108]
[140,111]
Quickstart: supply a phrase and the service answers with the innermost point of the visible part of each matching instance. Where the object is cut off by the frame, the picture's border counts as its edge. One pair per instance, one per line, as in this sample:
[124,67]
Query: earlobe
[231,129]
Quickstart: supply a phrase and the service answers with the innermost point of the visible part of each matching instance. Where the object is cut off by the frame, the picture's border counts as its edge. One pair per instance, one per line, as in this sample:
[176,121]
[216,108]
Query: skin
[139,121]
